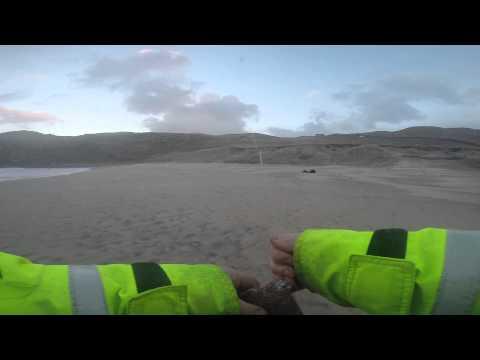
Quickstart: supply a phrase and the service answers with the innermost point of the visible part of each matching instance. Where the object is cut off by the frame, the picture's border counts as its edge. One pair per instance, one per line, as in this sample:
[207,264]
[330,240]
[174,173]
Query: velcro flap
[168,300]
[380,285]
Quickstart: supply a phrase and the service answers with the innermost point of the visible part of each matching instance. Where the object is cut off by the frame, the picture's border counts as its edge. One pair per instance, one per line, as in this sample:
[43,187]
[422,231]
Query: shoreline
[15,174]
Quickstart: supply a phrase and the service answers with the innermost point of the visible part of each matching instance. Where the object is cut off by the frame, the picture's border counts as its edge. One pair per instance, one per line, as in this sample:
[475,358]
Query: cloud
[394,102]
[398,99]
[390,109]
[154,84]
[125,72]
[213,115]
[12,96]
[153,97]
[406,87]
[10,116]
[421,87]
[145,51]
[469,119]
[320,122]
[282,132]
[472,96]
[183,110]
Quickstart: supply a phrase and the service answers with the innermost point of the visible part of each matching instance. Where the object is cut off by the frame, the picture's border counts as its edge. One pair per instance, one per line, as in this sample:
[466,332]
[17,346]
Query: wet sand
[221,213]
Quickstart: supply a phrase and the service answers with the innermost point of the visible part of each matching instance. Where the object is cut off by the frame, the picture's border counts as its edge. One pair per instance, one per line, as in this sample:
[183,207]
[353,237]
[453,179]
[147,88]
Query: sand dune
[437,147]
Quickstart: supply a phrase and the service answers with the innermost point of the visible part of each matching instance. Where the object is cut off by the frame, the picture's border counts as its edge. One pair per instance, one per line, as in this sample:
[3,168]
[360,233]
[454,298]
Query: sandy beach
[221,213]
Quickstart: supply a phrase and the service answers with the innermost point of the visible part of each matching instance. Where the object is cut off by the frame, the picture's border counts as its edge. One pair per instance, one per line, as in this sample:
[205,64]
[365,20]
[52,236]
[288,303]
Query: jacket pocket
[380,285]
[168,300]
[18,279]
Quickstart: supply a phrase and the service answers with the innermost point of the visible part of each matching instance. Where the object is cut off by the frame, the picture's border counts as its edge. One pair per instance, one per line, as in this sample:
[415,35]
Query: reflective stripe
[86,291]
[461,275]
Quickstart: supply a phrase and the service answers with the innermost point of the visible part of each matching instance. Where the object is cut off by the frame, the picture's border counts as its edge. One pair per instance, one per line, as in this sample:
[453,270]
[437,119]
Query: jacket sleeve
[337,265]
[193,290]
[210,289]
[188,289]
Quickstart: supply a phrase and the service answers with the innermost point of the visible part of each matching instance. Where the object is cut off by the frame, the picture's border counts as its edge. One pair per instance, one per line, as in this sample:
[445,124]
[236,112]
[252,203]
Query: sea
[10,174]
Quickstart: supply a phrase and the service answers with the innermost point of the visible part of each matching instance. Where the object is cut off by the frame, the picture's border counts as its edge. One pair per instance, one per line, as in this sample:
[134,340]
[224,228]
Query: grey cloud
[465,117]
[393,102]
[315,126]
[349,92]
[122,72]
[155,96]
[154,84]
[420,87]
[221,115]
[390,100]
[317,123]
[11,116]
[281,132]
[472,96]
[404,88]
[408,87]
[386,109]
[325,122]
[307,129]
[182,112]
[321,122]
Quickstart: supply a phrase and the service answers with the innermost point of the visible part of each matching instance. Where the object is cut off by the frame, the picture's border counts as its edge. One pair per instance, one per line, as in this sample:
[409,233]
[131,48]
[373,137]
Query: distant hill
[433,132]
[416,145]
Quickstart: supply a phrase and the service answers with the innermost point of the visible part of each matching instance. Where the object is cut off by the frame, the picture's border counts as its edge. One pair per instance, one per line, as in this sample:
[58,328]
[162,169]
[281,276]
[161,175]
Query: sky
[284,90]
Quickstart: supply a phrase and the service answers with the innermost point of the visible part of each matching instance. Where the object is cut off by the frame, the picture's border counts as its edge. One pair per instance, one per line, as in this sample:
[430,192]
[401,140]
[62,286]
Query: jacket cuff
[209,289]
[321,260]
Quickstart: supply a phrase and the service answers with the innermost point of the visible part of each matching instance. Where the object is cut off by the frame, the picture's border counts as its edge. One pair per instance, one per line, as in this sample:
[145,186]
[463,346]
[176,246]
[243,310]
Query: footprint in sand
[250,230]
[226,232]
[212,254]
[196,244]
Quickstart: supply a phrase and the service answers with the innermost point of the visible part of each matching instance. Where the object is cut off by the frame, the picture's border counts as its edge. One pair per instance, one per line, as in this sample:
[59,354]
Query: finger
[282,271]
[282,258]
[284,242]
[244,282]
[250,309]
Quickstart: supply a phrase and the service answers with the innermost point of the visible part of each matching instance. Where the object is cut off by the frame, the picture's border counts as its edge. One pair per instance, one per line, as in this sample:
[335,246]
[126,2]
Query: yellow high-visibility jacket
[141,288]
[393,271]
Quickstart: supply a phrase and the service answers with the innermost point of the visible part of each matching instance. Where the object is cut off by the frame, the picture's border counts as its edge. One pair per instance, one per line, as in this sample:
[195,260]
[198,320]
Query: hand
[282,256]
[242,283]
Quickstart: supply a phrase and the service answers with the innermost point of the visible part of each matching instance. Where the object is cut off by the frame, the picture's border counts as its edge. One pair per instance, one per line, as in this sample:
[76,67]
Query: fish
[276,297]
